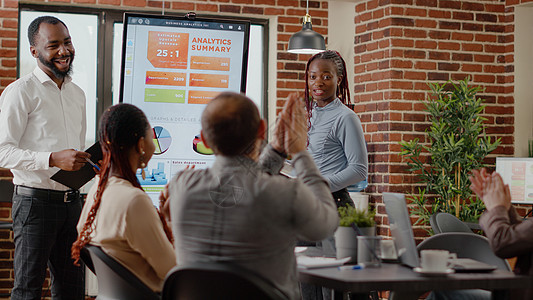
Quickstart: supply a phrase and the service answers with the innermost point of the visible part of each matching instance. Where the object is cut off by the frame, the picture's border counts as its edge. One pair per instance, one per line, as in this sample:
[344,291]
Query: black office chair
[85,256]
[217,280]
[6,195]
[114,280]
[445,222]
[465,245]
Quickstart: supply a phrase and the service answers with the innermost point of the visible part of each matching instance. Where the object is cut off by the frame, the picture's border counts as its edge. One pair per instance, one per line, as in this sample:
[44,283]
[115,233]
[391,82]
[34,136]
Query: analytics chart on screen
[171,68]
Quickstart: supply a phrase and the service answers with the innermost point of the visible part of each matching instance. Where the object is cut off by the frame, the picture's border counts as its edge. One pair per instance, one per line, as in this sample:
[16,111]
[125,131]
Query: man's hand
[164,206]
[478,180]
[69,159]
[496,193]
[290,133]
[278,139]
[296,127]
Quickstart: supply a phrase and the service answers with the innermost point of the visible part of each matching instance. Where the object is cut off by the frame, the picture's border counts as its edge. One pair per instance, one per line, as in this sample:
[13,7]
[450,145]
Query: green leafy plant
[350,215]
[456,146]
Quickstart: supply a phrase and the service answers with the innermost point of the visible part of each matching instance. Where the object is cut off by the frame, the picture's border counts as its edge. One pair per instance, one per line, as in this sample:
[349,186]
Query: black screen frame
[192,18]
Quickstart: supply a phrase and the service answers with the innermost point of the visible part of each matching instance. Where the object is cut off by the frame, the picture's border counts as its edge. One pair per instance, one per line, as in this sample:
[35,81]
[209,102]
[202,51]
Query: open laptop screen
[401,230]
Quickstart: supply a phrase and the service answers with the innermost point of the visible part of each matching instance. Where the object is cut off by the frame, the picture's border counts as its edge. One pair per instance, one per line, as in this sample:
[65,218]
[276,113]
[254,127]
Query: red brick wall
[399,46]
[288,14]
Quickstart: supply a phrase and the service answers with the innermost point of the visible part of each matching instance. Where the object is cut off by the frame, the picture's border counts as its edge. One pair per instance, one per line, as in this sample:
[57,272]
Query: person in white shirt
[42,116]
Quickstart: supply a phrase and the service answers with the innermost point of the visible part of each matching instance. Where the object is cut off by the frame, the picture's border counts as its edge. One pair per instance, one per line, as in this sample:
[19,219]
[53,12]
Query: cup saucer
[433,273]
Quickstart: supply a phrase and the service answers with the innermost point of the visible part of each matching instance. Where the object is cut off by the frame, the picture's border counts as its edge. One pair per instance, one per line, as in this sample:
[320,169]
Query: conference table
[408,284]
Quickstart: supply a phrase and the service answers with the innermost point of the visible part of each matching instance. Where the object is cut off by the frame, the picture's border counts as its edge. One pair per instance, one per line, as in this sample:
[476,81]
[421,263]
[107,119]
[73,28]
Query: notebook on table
[404,241]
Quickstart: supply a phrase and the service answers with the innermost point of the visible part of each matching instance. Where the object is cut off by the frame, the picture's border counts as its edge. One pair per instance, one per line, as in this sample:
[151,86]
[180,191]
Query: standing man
[42,121]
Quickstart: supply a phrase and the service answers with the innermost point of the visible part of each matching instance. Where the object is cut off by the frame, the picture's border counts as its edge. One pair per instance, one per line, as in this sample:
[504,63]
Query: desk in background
[410,285]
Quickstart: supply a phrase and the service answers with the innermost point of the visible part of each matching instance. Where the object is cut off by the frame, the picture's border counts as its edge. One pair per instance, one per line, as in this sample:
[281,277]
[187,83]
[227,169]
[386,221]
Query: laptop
[404,241]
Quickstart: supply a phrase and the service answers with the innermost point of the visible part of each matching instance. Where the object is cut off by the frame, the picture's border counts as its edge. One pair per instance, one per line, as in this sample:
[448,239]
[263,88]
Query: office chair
[445,222]
[85,256]
[217,280]
[466,245]
[6,195]
[114,280]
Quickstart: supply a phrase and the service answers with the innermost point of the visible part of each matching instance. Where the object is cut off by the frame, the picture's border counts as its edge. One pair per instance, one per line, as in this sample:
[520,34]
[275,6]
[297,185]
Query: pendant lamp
[306,41]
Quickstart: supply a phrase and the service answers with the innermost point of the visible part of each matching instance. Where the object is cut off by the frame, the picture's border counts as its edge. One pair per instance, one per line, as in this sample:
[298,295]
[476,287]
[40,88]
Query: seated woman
[118,215]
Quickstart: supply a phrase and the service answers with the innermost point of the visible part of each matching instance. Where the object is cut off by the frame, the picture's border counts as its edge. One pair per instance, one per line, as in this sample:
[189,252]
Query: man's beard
[57,73]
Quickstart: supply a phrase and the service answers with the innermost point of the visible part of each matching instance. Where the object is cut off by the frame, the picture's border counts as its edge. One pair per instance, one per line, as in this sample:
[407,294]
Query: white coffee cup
[434,260]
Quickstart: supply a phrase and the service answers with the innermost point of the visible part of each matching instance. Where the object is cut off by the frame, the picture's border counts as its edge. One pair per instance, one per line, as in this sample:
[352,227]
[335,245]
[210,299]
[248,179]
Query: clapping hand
[290,133]
[491,189]
[164,206]
[478,180]
[496,193]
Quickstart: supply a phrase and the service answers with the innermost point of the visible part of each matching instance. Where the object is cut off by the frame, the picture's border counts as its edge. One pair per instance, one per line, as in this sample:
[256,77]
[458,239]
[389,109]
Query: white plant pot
[346,241]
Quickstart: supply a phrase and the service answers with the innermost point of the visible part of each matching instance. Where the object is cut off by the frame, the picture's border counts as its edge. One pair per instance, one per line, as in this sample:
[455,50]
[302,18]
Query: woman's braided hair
[121,127]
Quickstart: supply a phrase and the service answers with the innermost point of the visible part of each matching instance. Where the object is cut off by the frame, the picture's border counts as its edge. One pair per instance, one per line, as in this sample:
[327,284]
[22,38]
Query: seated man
[508,235]
[241,210]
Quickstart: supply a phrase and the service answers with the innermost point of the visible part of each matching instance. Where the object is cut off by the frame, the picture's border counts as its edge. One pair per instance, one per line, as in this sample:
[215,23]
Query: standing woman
[335,134]
[118,215]
[335,140]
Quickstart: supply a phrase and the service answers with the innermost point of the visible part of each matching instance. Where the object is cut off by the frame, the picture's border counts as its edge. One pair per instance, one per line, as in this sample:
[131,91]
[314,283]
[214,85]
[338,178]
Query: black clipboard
[76,179]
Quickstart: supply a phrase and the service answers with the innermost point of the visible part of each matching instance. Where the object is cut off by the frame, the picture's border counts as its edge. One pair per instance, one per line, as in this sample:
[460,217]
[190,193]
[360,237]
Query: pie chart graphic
[162,140]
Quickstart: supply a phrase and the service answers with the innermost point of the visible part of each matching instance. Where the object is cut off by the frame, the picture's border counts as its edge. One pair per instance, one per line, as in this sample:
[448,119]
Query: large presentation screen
[517,172]
[171,68]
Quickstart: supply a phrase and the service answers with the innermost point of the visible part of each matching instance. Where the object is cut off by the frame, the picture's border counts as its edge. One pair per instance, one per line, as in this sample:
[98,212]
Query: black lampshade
[306,41]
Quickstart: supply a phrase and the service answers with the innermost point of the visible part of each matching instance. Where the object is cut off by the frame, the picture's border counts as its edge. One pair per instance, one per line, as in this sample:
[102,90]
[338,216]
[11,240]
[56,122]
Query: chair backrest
[445,222]
[6,195]
[85,256]
[115,281]
[6,190]
[217,280]
[465,245]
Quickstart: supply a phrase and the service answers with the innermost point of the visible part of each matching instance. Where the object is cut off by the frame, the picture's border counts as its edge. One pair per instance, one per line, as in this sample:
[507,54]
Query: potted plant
[455,146]
[352,219]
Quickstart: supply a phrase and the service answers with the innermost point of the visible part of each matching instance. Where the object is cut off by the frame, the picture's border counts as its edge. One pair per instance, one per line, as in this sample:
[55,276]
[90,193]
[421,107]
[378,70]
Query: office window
[117,53]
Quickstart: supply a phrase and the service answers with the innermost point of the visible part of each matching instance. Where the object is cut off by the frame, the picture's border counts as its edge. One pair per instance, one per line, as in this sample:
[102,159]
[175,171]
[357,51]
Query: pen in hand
[92,164]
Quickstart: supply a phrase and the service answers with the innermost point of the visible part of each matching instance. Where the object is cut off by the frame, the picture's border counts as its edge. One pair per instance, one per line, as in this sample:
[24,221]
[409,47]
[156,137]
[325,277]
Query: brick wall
[399,46]
[287,13]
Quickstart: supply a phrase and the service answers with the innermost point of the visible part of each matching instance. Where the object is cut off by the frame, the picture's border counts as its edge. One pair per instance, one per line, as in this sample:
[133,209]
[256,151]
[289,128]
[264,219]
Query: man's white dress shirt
[36,119]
